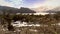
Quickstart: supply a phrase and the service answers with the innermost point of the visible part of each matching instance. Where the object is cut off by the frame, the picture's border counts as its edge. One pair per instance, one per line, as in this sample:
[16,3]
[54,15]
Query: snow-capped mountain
[42,9]
[56,9]
[46,9]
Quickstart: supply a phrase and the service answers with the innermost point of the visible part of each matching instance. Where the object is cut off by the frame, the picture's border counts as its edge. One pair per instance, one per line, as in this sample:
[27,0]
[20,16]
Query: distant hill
[42,9]
[26,10]
[15,10]
[46,9]
[57,9]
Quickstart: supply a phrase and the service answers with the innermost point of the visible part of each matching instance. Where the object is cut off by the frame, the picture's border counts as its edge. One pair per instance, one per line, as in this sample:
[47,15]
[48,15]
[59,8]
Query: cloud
[15,2]
[19,3]
[47,3]
[52,3]
[11,3]
[3,3]
[32,3]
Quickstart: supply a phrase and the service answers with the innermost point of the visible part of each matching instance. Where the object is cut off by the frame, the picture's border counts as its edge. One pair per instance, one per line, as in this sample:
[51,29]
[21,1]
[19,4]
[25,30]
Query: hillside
[15,10]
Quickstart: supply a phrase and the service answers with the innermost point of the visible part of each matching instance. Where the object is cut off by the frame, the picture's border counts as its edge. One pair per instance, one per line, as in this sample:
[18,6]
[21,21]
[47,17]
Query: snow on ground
[24,24]
[58,24]
[34,13]
[33,30]
[21,24]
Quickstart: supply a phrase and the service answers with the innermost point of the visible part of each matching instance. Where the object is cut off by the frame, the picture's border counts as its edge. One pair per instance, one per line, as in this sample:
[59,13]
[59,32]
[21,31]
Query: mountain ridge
[15,10]
[46,9]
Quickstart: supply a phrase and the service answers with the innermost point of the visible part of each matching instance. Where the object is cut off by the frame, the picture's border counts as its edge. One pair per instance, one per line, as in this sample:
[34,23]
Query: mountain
[15,10]
[8,9]
[46,9]
[42,9]
[54,10]
[26,10]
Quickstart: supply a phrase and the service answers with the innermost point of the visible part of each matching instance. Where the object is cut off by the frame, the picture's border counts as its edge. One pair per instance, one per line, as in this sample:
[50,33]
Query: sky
[29,3]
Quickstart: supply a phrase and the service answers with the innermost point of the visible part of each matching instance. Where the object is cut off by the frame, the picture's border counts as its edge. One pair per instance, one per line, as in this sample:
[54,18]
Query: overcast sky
[29,3]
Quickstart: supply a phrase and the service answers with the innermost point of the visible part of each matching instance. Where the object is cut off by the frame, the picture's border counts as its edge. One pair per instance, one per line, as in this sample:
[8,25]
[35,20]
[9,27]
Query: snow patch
[21,24]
